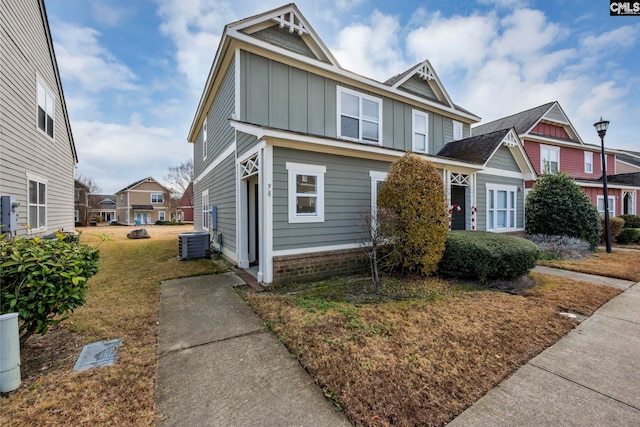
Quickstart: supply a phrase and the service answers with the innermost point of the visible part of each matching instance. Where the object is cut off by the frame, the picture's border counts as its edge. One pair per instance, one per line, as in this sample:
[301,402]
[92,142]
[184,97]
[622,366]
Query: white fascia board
[502,173]
[609,185]
[277,137]
[342,74]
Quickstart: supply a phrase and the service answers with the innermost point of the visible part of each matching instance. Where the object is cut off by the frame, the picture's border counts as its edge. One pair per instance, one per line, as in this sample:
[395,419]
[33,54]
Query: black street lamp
[601,127]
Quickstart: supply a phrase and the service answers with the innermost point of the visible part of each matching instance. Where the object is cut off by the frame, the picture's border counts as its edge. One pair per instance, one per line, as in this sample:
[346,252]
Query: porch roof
[142,207]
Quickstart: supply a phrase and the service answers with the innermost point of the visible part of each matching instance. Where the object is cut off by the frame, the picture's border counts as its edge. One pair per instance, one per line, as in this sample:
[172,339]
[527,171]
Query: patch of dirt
[516,286]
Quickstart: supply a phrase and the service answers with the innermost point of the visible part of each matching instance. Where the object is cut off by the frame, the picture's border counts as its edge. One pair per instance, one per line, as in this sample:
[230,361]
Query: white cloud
[108,14]
[115,155]
[372,49]
[526,34]
[83,60]
[622,37]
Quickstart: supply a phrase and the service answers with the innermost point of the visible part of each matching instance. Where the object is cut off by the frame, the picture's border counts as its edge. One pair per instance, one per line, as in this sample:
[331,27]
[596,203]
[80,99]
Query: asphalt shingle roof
[522,121]
[476,149]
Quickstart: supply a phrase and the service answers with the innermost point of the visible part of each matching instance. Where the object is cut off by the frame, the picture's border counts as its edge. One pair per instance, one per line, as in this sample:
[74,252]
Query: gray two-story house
[290,149]
[37,152]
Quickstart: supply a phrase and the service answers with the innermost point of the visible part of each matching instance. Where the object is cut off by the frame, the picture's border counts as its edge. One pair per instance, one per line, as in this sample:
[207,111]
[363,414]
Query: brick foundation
[318,265]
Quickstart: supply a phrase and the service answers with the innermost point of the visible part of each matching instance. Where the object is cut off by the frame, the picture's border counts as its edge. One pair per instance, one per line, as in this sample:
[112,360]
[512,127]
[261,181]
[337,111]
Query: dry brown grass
[422,362]
[619,264]
[122,302]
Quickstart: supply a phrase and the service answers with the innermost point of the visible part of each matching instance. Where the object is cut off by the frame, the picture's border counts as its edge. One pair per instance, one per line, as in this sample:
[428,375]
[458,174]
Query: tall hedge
[413,196]
[558,206]
[43,280]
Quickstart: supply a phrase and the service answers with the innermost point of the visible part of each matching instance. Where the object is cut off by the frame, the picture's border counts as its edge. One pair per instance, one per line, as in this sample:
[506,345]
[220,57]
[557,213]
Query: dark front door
[458,195]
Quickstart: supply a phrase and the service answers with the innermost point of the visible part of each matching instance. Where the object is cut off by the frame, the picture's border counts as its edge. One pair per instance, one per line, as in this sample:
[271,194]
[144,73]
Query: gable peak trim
[293,23]
[425,73]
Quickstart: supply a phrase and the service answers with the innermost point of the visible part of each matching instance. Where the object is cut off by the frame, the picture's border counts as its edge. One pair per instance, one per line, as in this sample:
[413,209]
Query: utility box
[214,217]
[9,214]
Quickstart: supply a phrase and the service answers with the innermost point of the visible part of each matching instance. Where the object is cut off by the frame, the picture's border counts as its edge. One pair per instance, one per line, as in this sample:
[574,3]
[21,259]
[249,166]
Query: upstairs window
[420,131]
[549,159]
[157,198]
[204,139]
[46,109]
[457,130]
[588,162]
[359,116]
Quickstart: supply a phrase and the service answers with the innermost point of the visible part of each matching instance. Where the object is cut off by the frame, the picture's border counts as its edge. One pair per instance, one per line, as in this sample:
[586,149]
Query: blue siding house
[290,147]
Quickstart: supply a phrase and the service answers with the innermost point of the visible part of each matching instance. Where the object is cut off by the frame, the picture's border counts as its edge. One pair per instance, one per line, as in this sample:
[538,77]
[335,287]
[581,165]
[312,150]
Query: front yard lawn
[619,264]
[424,359]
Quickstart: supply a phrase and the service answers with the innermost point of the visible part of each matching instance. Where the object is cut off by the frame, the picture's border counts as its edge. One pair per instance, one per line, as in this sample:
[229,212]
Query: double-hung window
[501,208]
[549,159]
[205,209]
[204,139]
[161,216]
[37,203]
[306,192]
[588,162]
[612,205]
[457,130]
[420,132]
[46,109]
[359,116]
[157,198]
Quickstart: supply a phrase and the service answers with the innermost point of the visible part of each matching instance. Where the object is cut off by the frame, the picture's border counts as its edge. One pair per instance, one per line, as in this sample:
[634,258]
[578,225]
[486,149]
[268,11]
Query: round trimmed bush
[628,235]
[630,221]
[556,205]
[486,256]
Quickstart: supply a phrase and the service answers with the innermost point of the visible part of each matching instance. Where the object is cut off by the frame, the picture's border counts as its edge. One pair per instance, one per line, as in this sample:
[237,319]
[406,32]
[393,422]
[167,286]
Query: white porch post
[243,232]
[266,254]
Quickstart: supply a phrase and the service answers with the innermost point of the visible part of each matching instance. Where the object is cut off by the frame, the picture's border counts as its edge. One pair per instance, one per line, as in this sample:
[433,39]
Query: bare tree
[179,178]
[83,200]
[379,243]
[88,181]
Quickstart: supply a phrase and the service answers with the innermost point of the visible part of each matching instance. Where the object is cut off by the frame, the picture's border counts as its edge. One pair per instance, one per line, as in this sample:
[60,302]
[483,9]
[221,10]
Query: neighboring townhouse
[184,211]
[290,149]
[81,203]
[143,202]
[102,208]
[37,151]
[553,145]
[627,162]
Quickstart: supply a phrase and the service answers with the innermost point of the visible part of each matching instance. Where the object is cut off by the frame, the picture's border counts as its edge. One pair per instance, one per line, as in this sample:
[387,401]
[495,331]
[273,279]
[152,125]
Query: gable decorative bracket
[425,73]
[292,22]
[509,141]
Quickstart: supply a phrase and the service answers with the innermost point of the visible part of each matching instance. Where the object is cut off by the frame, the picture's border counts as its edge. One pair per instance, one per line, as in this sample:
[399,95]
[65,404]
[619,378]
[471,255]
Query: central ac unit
[193,245]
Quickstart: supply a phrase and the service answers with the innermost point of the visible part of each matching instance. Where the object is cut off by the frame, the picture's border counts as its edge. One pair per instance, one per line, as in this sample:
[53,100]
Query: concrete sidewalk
[591,377]
[219,366]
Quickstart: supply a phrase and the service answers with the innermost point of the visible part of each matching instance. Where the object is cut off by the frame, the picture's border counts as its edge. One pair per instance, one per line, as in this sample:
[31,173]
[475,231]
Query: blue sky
[133,71]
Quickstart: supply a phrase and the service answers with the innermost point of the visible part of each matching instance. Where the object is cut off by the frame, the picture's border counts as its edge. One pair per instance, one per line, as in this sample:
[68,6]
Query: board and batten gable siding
[25,58]
[284,97]
[347,193]
[503,159]
[222,193]
[481,197]
[220,134]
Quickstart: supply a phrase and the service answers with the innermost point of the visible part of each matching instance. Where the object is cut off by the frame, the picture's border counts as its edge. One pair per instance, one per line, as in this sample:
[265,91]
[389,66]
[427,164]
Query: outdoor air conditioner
[193,245]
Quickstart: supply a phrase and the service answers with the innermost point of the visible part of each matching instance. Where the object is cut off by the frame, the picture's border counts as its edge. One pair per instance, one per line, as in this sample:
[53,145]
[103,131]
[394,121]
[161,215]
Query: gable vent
[425,73]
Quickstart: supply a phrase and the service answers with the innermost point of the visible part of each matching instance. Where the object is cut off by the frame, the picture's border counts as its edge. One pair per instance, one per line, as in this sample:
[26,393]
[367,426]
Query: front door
[253,241]
[458,217]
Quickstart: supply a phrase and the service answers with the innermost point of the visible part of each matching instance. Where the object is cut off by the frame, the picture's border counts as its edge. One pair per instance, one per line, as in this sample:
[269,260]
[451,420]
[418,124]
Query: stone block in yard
[138,234]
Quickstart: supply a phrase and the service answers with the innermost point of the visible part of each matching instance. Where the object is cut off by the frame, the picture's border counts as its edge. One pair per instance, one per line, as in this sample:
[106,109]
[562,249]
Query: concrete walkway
[591,377]
[219,366]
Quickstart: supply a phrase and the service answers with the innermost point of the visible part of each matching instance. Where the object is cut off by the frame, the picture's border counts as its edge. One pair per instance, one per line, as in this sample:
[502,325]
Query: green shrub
[486,256]
[43,280]
[616,225]
[169,222]
[412,198]
[631,221]
[556,205]
[628,235]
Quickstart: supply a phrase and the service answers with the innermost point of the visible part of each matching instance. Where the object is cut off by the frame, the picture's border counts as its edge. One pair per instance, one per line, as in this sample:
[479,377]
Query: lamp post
[601,127]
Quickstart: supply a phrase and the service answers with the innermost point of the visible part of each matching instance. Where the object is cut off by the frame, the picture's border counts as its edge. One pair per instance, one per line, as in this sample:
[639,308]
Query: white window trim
[360,95]
[318,171]
[156,202]
[588,160]
[508,188]
[39,180]
[48,91]
[163,214]
[415,113]
[204,139]
[457,125]
[550,148]
[376,177]
[205,209]
[612,199]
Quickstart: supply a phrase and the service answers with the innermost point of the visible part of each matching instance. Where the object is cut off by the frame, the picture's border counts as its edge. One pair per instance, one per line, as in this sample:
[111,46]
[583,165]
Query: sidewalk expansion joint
[618,318]
[246,334]
[584,386]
